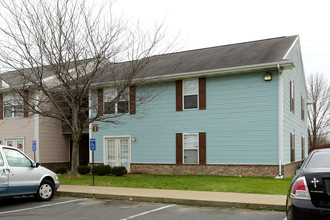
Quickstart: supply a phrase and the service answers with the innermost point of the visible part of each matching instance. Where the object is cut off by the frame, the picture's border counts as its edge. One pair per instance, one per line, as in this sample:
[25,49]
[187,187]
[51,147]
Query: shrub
[61,170]
[101,170]
[84,170]
[118,171]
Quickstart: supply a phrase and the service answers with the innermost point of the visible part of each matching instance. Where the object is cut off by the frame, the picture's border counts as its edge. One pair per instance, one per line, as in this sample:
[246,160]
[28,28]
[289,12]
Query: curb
[171,200]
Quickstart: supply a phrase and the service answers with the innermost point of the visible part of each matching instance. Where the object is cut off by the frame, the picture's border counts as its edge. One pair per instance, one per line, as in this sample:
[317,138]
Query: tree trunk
[74,159]
[75,135]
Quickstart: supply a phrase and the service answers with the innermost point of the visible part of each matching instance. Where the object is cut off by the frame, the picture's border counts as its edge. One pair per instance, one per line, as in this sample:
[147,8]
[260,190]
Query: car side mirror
[35,164]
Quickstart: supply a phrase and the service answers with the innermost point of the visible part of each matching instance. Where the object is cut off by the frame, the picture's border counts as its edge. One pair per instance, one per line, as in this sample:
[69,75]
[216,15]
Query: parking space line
[147,212]
[38,207]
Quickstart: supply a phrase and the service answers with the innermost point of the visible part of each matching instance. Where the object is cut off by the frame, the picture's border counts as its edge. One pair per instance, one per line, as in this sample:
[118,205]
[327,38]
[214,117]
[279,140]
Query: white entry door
[117,152]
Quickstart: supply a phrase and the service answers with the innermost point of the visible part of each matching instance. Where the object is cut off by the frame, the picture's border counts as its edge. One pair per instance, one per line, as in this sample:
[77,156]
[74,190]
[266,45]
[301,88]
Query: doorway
[118,152]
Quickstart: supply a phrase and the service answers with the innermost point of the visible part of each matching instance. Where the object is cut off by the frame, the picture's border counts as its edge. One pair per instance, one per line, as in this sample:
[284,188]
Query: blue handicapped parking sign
[92,144]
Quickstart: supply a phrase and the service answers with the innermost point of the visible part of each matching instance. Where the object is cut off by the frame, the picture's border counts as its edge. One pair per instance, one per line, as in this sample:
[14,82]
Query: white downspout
[280,122]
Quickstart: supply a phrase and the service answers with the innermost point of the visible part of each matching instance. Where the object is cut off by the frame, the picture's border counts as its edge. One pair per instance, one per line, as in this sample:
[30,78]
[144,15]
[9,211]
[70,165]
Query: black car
[309,194]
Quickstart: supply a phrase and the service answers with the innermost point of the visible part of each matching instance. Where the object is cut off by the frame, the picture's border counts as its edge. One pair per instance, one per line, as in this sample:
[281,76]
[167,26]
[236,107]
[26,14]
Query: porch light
[268,76]
[134,139]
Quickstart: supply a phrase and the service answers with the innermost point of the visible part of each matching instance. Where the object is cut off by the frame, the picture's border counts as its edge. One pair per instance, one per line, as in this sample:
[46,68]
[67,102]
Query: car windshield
[320,159]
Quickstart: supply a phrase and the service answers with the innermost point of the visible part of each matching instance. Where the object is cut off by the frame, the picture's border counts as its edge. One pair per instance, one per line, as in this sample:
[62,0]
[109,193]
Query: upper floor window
[111,106]
[190,94]
[13,106]
[292,105]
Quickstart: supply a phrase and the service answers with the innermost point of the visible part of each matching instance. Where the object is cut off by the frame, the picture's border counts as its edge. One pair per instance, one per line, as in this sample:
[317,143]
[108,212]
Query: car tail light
[299,189]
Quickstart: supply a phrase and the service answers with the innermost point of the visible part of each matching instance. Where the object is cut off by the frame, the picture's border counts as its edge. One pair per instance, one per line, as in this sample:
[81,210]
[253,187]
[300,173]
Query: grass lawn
[260,185]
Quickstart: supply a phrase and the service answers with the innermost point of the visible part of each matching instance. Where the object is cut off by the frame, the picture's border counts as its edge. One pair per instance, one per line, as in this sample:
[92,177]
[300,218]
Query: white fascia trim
[215,72]
[293,44]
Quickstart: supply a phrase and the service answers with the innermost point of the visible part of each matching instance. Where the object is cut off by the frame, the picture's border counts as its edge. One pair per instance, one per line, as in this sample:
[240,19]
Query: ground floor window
[15,142]
[190,148]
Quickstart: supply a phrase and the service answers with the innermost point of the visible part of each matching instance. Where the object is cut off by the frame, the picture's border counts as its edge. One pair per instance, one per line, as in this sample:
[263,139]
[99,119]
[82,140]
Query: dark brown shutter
[202,148]
[1,106]
[179,95]
[26,99]
[302,109]
[202,93]
[132,100]
[100,101]
[302,148]
[178,148]
[292,147]
[291,96]
[293,99]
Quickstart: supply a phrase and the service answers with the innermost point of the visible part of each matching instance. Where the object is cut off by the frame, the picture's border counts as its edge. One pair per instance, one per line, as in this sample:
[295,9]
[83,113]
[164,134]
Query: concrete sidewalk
[177,196]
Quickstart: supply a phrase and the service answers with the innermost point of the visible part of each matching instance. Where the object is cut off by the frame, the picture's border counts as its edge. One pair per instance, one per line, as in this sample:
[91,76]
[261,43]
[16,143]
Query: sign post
[34,148]
[92,145]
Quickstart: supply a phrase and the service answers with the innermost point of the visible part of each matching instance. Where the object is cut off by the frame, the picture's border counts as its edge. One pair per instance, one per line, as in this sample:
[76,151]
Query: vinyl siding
[240,121]
[18,128]
[54,146]
[292,122]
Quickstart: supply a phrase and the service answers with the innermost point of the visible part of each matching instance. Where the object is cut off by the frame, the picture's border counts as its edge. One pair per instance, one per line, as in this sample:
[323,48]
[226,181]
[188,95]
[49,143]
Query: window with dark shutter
[112,104]
[179,148]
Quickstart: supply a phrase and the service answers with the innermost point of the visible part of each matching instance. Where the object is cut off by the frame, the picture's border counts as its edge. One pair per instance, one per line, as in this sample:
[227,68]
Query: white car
[19,175]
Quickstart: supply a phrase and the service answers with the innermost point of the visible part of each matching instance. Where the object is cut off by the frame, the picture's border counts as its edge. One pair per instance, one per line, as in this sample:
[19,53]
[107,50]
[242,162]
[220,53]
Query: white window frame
[196,80]
[13,100]
[110,94]
[15,140]
[184,148]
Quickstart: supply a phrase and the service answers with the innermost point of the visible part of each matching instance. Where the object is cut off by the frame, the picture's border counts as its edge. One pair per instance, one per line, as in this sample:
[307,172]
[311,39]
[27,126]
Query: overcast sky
[206,23]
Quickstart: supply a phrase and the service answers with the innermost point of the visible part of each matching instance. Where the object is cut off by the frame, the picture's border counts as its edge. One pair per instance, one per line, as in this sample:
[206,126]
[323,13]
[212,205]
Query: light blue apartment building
[237,109]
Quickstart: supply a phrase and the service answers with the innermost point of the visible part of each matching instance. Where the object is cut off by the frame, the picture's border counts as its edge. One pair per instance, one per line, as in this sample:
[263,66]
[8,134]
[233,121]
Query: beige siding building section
[18,128]
[54,146]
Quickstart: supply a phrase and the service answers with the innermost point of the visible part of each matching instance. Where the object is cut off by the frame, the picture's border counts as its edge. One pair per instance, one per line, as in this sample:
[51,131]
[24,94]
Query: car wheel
[45,191]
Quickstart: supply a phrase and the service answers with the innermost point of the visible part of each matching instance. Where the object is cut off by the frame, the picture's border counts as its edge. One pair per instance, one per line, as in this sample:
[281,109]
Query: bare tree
[319,112]
[58,49]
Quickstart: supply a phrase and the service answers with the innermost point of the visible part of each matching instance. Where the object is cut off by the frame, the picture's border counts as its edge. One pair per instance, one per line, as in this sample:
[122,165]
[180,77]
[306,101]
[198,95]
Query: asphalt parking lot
[80,208]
